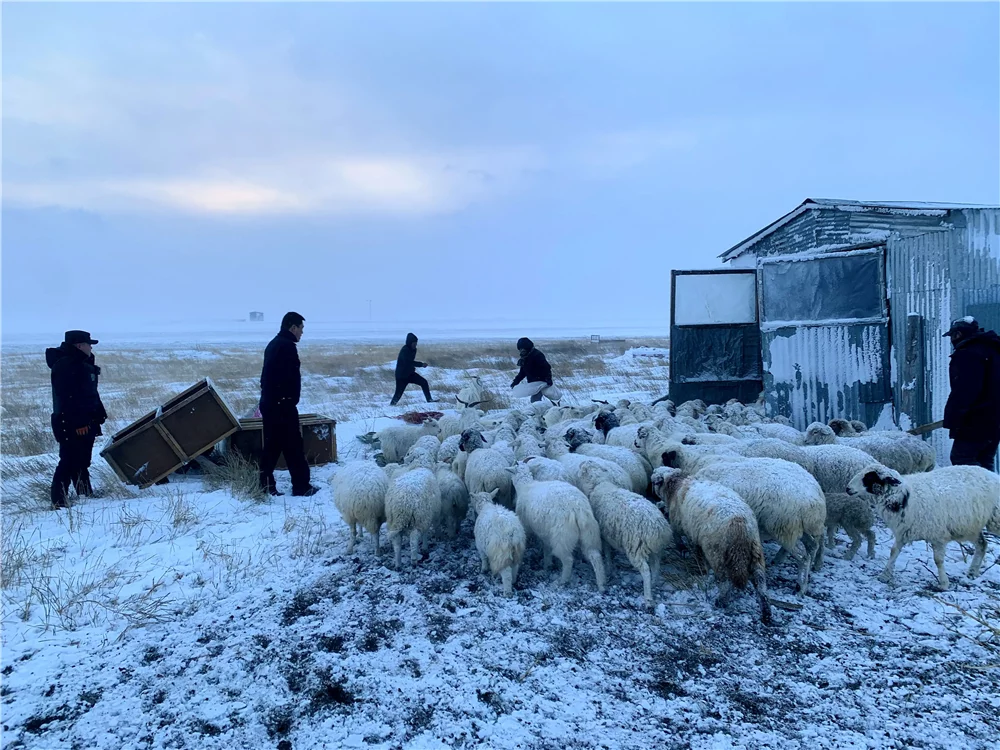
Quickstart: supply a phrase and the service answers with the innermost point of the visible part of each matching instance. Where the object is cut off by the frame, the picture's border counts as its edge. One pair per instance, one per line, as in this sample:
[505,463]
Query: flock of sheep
[636,479]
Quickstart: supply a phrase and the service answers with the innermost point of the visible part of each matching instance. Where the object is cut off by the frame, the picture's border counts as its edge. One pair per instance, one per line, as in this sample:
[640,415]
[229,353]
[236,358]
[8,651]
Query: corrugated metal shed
[942,261]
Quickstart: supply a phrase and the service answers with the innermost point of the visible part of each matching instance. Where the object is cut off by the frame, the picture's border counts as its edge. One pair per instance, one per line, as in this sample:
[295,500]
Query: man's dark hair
[291,319]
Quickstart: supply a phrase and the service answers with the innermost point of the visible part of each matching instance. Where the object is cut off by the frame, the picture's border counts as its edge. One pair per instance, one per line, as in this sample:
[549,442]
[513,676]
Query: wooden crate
[197,419]
[143,453]
[161,442]
[319,438]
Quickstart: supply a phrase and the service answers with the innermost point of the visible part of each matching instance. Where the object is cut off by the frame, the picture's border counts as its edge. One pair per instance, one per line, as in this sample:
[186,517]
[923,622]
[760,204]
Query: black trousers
[975,453]
[415,379]
[73,468]
[282,436]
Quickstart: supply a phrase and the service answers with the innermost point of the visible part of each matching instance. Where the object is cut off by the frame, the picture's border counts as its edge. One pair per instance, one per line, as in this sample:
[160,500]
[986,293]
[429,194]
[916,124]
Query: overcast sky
[190,162]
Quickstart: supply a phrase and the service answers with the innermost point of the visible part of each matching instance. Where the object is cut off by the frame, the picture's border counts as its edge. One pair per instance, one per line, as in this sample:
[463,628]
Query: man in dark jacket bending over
[972,413]
[534,367]
[77,413]
[406,373]
[280,388]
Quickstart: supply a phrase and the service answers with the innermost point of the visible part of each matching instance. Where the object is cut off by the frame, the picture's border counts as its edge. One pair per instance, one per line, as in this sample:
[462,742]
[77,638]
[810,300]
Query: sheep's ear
[873,483]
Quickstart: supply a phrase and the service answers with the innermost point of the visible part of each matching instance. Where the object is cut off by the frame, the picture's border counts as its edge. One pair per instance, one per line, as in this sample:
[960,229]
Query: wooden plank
[926,428]
[912,400]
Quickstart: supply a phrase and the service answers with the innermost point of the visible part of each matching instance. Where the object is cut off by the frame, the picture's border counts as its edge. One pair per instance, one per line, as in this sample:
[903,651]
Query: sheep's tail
[740,556]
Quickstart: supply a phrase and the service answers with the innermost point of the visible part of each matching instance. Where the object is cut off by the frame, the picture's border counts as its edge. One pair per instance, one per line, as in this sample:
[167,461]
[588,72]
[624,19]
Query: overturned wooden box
[162,441]
[319,438]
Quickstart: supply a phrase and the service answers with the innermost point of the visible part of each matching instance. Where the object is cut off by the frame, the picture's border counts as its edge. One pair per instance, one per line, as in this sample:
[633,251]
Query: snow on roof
[913,208]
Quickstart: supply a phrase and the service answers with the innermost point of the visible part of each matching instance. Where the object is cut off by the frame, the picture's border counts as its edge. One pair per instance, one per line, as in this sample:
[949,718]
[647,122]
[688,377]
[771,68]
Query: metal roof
[921,207]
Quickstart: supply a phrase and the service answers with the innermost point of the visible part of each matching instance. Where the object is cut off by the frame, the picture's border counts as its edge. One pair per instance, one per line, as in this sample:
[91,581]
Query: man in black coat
[406,373]
[77,413]
[534,367]
[280,388]
[972,413]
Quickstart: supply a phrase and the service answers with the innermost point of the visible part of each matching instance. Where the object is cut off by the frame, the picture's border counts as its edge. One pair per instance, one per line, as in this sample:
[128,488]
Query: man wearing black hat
[972,413]
[77,413]
[534,367]
[406,373]
[280,388]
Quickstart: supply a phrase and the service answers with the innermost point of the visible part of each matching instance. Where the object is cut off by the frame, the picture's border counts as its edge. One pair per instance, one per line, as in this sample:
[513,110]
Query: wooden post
[913,396]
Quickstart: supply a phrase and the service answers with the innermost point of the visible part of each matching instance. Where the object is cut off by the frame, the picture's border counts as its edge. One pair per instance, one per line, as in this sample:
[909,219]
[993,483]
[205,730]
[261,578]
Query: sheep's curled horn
[473,403]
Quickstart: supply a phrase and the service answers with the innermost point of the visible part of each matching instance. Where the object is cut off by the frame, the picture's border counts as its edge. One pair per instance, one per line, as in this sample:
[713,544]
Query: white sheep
[952,504]
[454,424]
[687,458]
[359,490]
[526,445]
[835,465]
[449,448]
[546,469]
[428,444]
[638,468]
[486,469]
[629,523]
[396,439]
[471,392]
[557,449]
[787,501]
[720,526]
[854,515]
[454,499]
[779,432]
[896,450]
[412,504]
[559,515]
[500,539]
[558,414]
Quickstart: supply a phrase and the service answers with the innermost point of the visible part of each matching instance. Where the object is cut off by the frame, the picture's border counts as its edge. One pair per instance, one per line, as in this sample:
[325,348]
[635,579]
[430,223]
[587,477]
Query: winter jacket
[75,400]
[534,367]
[281,376]
[973,408]
[406,362]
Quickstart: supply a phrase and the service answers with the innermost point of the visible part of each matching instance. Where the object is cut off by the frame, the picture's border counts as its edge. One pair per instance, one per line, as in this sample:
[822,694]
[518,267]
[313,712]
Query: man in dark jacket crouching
[77,413]
[280,388]
[534,367]
[972,413]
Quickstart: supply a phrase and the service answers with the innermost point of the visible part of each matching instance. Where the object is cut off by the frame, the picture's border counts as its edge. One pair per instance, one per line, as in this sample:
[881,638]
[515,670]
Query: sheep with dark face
[717,522]
[953,504]
[638,468]
[485,469]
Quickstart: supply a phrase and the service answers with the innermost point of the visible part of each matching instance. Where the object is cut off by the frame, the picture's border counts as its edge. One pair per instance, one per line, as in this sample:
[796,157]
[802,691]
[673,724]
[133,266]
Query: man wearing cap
[406,371]
[972,413]
[280,389]
[534,367]
[77,413]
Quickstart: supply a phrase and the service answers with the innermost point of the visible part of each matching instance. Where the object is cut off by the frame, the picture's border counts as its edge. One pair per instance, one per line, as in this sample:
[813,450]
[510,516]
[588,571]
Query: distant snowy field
[183,616]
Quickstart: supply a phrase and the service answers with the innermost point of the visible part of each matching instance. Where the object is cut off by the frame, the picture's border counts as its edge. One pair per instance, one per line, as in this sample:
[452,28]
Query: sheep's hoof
[974,574]
[850,554]
[885,577]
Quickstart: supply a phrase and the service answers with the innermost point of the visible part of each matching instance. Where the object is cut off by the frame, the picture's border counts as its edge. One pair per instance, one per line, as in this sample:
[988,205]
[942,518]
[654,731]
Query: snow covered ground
[185,617]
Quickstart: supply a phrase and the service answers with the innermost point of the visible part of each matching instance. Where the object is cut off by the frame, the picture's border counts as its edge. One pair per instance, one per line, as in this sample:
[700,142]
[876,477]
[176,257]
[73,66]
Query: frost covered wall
[936,278]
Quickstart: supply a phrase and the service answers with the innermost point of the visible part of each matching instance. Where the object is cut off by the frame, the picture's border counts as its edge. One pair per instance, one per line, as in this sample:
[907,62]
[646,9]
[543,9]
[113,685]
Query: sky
[187,163]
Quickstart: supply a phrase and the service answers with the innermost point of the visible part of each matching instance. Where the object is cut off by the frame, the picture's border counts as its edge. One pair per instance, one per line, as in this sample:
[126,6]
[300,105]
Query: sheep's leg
[779,557]
[871,544]
[831,535]
[352,537]
[609,561]
[594,558]
[483,562]
[977,559]
[817,556]
[855,543]
[938,548]
[725,594]
[546,556]
[415,546]
[647,580]
[508,581]
[515,569]
[897,547]
[802,560]
[397,548]
[566,558]
[654,570]
[759,580]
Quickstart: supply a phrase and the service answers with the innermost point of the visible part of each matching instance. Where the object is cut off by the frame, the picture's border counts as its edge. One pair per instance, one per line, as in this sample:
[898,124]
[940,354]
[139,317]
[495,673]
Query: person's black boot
[309,492]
